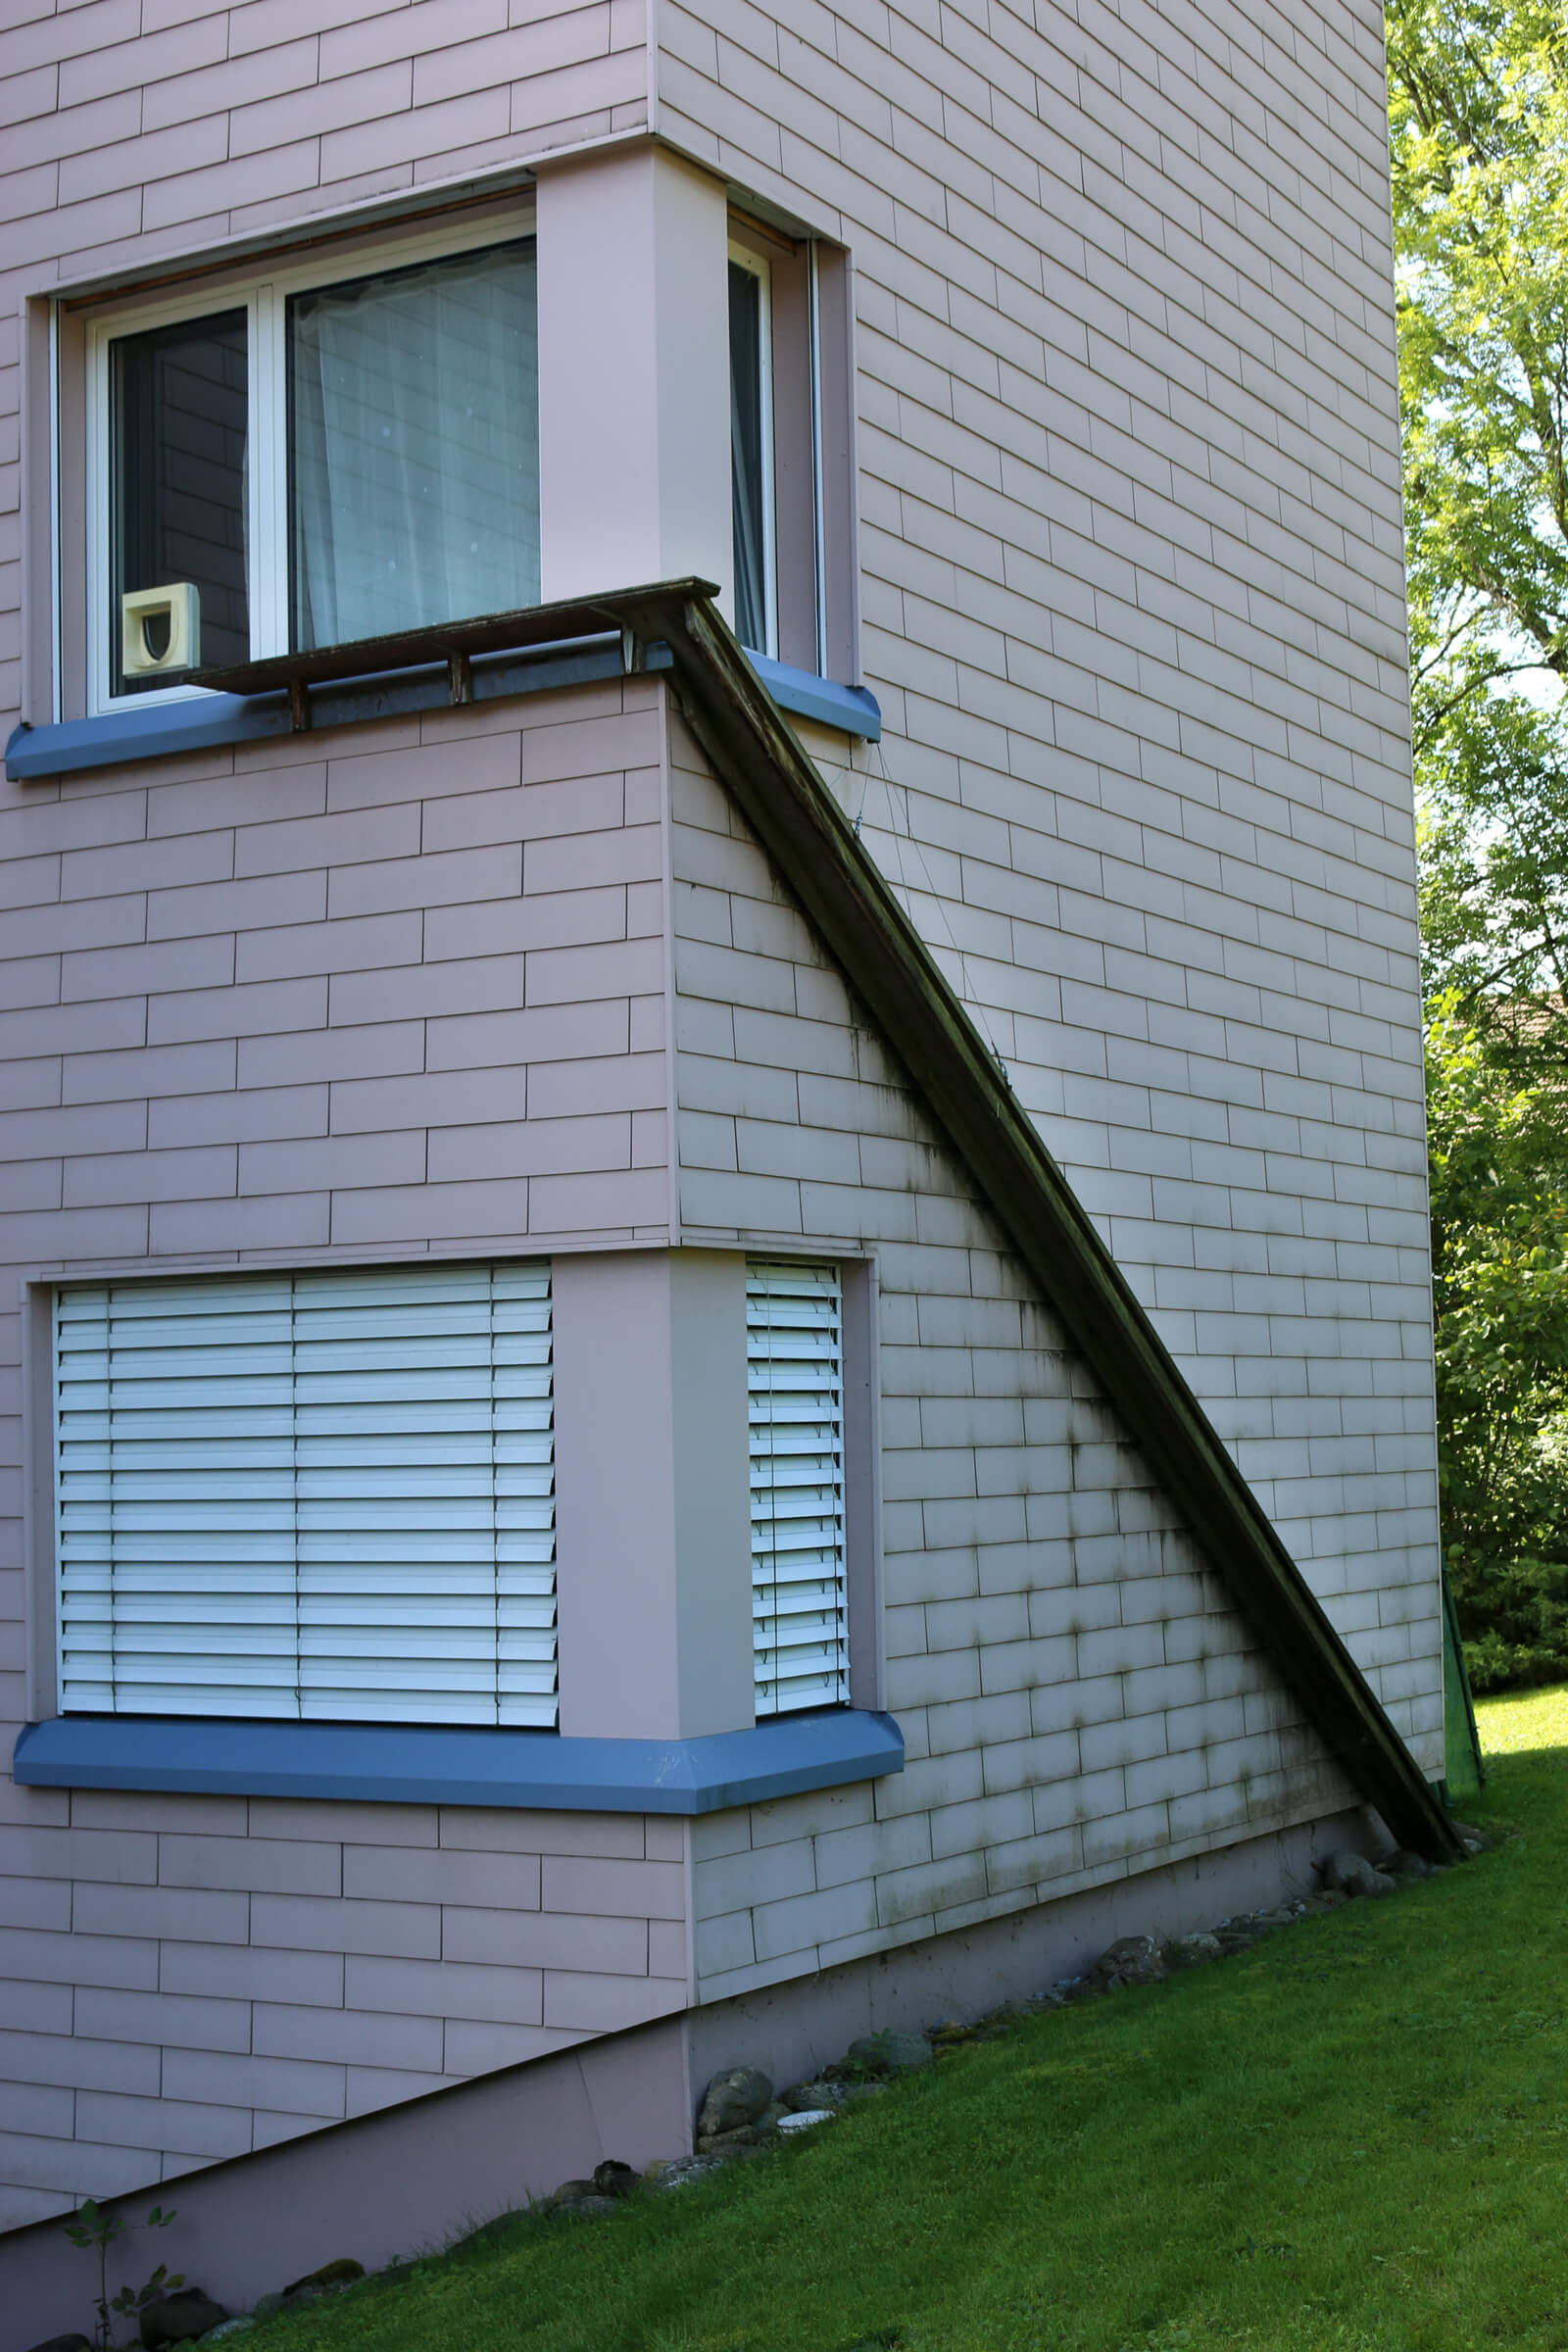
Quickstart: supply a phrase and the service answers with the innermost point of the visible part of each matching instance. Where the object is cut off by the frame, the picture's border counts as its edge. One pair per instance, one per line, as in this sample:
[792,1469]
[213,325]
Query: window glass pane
[414,447]
[178,407]
[746,455]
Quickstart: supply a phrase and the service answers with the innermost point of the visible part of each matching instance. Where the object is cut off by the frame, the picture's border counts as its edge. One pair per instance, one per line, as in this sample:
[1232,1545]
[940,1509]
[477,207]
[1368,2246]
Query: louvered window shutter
[795,1380]
[325,1495]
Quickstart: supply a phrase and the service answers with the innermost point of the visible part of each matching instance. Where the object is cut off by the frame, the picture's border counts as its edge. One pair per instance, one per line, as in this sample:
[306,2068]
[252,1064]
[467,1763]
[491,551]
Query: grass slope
[1354,2137]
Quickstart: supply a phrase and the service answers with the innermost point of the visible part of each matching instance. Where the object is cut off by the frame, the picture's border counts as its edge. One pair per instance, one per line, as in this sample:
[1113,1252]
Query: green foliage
[1479,121]
[1479,118]
[1349,2140]
[1499,1229]
[93,2229]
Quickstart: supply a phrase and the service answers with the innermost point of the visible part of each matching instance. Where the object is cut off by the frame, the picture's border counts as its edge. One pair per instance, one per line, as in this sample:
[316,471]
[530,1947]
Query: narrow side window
[794,1381]
[792,464]
[751,452]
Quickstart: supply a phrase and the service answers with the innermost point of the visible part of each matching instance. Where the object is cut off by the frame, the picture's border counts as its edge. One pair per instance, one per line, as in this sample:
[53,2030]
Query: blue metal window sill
[407,1764]
[855,709]
[202,721]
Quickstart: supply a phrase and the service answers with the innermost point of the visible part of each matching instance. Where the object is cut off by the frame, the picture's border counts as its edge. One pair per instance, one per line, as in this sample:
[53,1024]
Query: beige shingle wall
[1130,531]
[1078,1699]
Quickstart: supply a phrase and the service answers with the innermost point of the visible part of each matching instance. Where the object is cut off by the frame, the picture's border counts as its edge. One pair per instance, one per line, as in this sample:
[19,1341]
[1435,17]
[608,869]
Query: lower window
[325,1495]
[795,1384]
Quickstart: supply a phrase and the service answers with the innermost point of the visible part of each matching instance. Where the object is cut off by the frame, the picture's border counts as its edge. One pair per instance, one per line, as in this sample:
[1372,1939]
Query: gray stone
[569,2192]
[734,2098]
[1403,1864]
[1191,1951]
[496,2232]
[1354,1874]
[678,2171]
[1474,1841]
[589,2208]
[62,2343]
[857,2093]
[1130,1960]
[235,2327]
[738,2142]
[180,2318]
[813,2094]
[324,2282]
[613,2179]
[266,2306]
[879,2055]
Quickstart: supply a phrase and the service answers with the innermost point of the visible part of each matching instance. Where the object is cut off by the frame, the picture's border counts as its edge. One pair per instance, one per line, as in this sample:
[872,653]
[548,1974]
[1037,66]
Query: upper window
[325,1495]
[312,460]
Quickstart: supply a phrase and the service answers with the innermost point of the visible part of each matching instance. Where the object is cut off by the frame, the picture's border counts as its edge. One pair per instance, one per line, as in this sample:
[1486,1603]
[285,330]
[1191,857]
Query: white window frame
[756,265]
[264,295]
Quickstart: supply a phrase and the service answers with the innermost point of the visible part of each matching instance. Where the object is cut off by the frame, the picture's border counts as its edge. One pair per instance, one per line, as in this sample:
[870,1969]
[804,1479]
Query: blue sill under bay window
[434,1764]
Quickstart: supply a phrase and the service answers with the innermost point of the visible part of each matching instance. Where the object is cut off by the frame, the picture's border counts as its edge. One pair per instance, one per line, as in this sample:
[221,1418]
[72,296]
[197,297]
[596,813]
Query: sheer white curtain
[415,447]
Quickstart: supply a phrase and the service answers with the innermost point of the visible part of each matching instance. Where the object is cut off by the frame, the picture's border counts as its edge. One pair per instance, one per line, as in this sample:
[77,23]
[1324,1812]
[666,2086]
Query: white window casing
[794,1381]
[325,1495]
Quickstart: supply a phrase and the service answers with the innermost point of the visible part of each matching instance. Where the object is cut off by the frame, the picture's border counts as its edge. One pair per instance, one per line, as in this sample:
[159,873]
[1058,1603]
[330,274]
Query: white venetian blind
[795,1381]
[325,1495]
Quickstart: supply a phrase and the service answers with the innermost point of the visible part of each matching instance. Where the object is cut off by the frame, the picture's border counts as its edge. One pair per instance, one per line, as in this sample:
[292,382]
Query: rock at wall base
[324,2282]
[733,2099]
[879,2055]
[1191,1951]
[1130,1960]
[1351,1873]
[180,2318]
[815,2093]
[678,2171]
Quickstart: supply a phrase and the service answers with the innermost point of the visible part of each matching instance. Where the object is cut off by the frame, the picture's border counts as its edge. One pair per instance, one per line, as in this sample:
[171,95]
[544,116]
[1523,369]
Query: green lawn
[1354,2135]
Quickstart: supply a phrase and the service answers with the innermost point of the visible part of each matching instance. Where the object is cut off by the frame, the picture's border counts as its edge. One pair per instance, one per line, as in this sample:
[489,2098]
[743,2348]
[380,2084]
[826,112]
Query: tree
[1499,1226]
[1479,130]
[1479,123]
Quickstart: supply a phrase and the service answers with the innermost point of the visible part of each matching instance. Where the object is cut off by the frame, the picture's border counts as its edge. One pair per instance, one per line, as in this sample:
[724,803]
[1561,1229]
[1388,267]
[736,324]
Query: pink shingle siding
[1132,586]
[324,1028]
[1079,1700]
